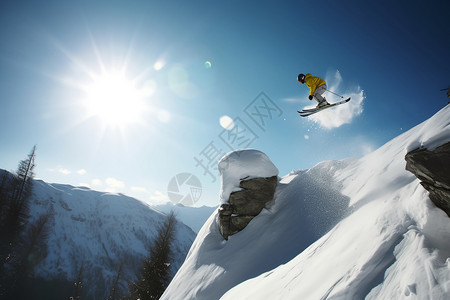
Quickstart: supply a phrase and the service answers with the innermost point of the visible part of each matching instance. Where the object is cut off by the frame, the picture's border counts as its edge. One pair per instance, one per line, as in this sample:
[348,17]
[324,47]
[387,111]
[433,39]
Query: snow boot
[322,103]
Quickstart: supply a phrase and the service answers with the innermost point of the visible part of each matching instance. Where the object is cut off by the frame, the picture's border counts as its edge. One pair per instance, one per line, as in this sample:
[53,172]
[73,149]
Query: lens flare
[159,65]
[226,122]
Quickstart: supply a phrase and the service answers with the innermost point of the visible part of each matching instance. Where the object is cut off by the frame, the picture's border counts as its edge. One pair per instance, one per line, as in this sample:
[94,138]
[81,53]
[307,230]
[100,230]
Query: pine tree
[114,293]
[5,192]
[25,176]
[14,213]
[78,284]
[28,252]
[33,244]
[23,244]
[155,275]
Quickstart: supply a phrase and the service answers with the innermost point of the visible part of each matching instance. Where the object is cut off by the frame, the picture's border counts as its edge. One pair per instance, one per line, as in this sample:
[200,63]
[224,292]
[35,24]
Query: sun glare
[114,99]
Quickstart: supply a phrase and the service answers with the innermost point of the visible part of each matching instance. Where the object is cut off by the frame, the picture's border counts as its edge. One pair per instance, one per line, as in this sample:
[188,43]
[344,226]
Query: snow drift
[351,229]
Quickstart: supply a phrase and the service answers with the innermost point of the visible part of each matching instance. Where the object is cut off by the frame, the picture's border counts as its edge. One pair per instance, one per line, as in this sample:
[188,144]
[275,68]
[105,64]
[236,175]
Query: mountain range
[94,234]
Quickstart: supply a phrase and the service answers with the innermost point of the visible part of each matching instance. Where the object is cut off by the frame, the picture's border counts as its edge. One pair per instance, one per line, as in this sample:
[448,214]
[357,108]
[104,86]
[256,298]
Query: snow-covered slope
[98,232]
[368,226]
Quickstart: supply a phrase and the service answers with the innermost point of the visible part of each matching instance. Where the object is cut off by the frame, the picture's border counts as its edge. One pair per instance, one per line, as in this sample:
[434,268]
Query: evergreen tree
[78,285]
[5,192]
[23,244]
[14,204]
[33,243]
[115,290]
[28,252]
[155,275]
[25,176]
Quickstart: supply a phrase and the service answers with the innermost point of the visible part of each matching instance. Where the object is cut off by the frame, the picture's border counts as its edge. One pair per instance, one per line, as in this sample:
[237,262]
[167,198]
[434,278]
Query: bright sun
[114,99]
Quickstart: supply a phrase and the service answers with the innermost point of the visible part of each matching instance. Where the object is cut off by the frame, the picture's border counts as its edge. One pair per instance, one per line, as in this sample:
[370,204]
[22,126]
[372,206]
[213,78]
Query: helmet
[301,78]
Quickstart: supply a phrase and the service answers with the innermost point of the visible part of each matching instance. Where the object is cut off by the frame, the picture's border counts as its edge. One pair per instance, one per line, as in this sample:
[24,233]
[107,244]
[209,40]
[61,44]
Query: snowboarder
[317,87]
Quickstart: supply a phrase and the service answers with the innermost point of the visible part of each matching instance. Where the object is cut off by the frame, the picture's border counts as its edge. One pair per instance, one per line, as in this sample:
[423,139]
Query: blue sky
[184,65]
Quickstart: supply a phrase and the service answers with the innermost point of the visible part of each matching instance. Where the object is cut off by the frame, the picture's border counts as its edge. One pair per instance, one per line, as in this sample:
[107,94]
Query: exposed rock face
[249,179]
[433,169]
[245,204]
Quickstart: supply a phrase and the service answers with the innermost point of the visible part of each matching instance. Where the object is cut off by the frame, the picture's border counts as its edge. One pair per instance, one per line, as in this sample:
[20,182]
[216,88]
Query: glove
[310,97]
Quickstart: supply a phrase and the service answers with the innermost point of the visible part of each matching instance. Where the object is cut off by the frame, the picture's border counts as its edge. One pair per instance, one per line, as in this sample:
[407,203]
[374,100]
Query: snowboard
[310,111]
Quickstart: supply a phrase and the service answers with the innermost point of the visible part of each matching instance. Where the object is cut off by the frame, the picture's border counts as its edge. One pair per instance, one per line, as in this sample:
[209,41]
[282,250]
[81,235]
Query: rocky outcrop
[245,204]
[433,170]
[249,179]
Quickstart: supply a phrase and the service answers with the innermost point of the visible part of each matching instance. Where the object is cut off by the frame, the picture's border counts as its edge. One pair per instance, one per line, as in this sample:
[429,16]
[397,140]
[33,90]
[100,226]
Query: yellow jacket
[313,82]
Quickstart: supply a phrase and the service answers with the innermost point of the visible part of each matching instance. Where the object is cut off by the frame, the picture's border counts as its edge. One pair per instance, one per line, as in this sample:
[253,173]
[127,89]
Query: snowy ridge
[387,240]
[99,232]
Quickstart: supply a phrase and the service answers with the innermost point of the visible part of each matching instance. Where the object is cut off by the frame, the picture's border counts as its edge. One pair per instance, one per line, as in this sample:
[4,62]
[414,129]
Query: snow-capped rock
[257,179]
[243,164]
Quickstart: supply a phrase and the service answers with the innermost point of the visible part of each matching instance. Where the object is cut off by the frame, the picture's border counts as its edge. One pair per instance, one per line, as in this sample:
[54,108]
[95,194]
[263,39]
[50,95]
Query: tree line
[23,245]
